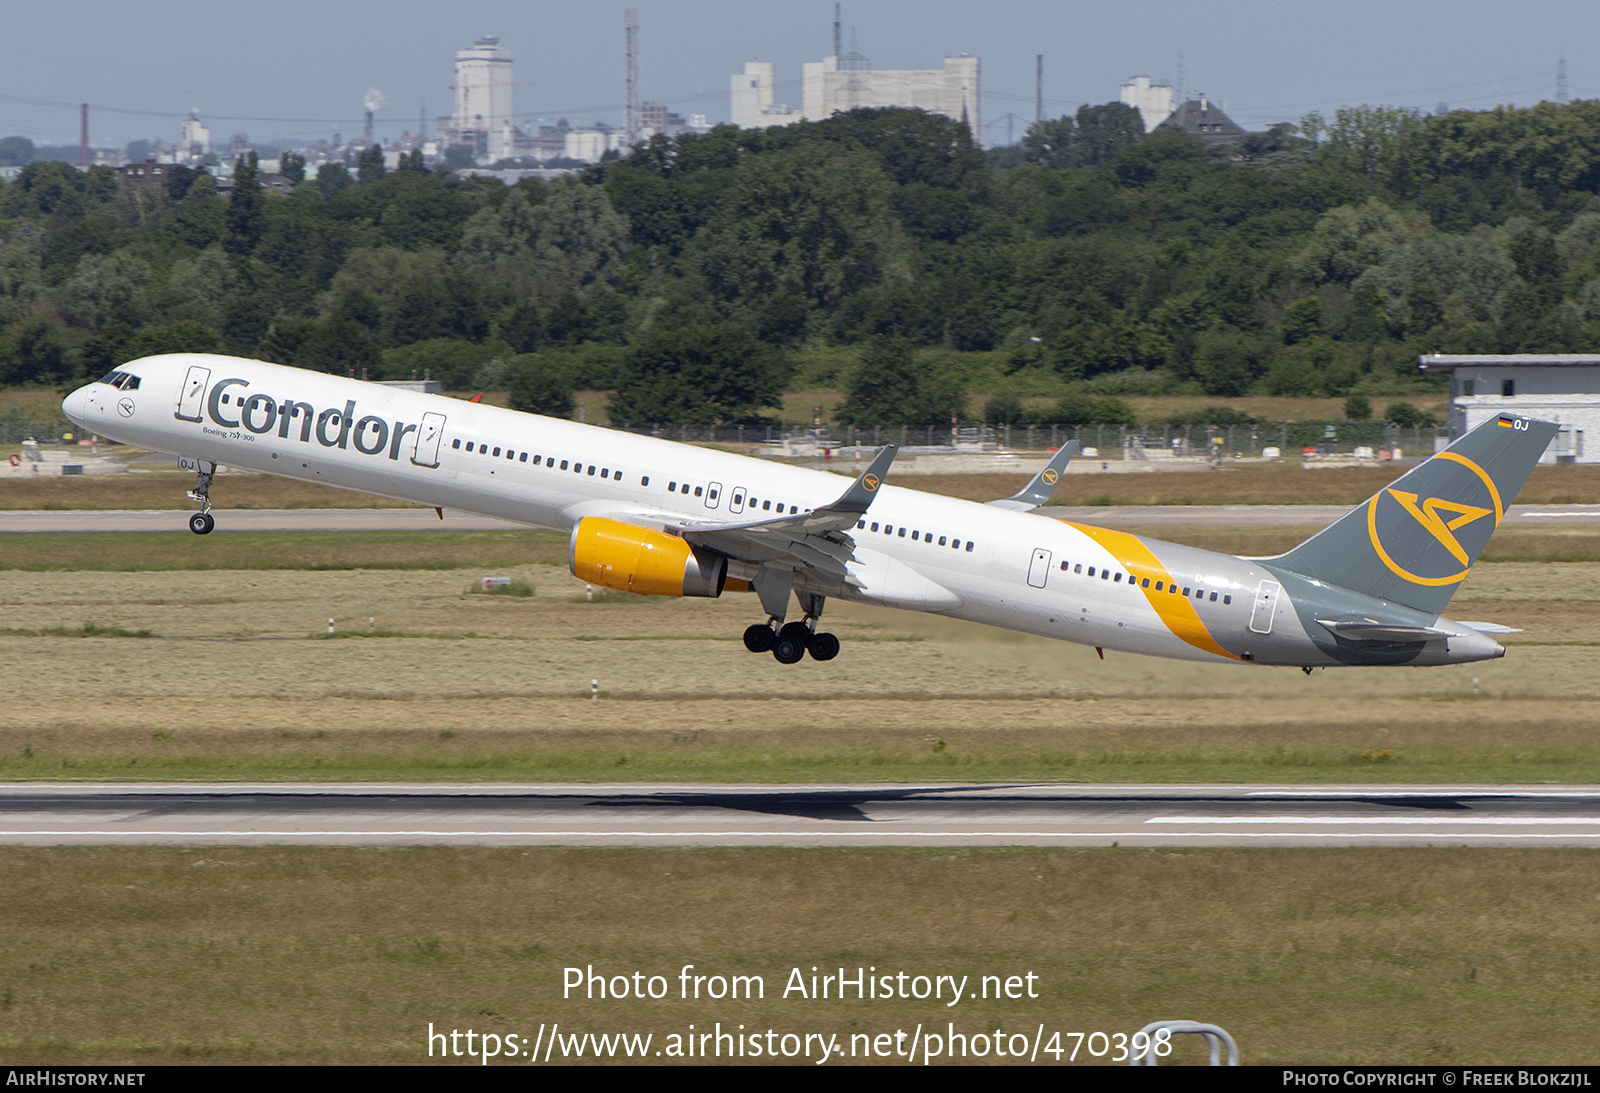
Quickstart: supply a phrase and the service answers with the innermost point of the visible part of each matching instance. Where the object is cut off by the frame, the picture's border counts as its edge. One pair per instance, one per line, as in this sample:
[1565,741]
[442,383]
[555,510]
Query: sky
[298,69]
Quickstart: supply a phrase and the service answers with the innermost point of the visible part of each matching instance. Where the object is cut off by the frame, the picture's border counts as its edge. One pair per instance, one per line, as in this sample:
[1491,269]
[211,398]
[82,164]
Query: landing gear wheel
[759,638]
[790,646]
[823,646]
[787,650]
[201,523]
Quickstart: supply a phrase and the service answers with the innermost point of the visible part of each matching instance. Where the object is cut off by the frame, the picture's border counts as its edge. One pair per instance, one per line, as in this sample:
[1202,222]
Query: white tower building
[838,84]
[196,139]
[483,98]
[1153,101]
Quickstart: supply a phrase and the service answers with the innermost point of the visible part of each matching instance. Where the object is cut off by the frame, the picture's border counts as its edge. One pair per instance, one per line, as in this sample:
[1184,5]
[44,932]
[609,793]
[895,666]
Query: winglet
[864,489]
[1038,491]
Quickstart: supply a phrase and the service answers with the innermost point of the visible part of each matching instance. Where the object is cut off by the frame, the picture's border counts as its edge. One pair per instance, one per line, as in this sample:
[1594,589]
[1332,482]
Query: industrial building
[483,85]
[1559,387]
[1152,100]
[836,84]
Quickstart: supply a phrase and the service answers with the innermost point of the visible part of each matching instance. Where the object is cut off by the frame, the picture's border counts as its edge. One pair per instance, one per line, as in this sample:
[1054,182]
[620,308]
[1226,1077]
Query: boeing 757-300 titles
[655,517]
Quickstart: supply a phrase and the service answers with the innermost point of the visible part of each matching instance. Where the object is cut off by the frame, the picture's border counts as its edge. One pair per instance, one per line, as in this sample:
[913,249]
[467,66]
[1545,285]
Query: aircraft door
[1266,604]
[713,492]
[192,394]
[429,433]
[736,499]
[1039,571]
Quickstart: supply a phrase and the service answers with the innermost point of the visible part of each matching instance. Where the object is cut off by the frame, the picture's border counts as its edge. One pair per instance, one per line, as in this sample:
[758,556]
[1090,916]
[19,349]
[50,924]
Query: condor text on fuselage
[652,516]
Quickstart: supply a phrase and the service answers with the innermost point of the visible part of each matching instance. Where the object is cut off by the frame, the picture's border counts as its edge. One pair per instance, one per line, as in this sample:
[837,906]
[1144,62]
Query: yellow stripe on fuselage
[1177,612]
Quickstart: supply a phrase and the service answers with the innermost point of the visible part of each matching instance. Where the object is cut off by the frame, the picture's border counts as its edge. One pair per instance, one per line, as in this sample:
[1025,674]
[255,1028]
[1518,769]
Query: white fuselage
[1016,570]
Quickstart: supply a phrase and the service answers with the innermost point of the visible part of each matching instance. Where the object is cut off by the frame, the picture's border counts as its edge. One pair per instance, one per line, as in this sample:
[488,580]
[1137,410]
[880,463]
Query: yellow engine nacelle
[649,563]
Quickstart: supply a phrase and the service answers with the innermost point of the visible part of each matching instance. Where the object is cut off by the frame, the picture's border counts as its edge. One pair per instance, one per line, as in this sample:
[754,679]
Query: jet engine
[650,563]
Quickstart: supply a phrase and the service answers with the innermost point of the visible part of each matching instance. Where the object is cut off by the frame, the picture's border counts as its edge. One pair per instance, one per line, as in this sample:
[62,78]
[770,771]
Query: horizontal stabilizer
[1373,630]
[1489,628]
[1038,491]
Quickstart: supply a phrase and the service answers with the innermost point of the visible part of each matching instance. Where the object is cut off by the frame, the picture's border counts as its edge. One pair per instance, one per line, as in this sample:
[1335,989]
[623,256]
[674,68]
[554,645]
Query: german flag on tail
[1507,422]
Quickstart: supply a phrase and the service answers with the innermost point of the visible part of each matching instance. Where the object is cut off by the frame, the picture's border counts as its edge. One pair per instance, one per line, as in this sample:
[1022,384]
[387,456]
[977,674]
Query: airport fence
[1291,438]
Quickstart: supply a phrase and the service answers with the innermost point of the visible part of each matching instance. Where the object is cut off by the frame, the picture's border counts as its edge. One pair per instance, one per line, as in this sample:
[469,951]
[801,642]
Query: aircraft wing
[1038,491]
[816,540]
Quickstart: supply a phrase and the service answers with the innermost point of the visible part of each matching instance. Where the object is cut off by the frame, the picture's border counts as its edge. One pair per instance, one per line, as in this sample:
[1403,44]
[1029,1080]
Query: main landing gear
[790,642]
[202,522]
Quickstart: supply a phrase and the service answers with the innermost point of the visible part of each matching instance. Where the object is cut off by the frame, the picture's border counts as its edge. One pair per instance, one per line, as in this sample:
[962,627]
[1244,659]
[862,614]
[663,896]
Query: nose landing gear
[202,522]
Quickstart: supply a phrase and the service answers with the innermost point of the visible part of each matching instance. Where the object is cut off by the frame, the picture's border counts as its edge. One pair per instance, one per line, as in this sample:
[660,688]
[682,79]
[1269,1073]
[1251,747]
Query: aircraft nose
[76,405]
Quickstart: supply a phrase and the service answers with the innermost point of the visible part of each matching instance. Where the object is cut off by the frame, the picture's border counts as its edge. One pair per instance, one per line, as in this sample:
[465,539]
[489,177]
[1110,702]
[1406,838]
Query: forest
[879,253]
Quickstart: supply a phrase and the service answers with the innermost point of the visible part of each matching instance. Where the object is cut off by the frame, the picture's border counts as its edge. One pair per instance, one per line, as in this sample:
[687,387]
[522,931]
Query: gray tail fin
[1414,541]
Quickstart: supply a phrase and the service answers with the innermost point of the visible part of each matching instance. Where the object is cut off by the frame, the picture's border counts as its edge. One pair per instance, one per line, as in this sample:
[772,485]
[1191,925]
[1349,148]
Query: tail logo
[870,482]
[1050,476]
[1441,518]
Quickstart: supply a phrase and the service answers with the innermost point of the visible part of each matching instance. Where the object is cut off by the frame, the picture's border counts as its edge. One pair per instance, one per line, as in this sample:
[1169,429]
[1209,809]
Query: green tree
[245,219]
[1050,143]
[1357,408]
[540,386]
[699,375]
[889,388]
[370,167]
[292,166]
[185,336]
[1103,132]
[333,179]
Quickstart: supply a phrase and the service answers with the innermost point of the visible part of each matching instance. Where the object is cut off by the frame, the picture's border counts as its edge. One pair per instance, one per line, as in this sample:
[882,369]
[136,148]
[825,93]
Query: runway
[190,814]
[1120,516]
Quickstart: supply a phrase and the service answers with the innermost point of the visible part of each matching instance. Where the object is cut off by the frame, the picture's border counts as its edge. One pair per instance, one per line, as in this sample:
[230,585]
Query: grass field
[239,680]
[1245,484]
[1411,956]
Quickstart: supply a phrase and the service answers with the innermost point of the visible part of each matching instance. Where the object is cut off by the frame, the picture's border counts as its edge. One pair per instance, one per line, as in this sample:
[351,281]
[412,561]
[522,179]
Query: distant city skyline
[296,70]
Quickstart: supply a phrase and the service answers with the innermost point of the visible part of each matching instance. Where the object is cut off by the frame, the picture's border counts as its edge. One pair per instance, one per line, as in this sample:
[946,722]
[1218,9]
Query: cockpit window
[122,381]
[111,378]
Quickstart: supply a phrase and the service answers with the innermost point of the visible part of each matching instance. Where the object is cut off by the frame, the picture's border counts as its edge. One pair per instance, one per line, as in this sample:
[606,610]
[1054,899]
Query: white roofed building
[1559,387]
[1152,100]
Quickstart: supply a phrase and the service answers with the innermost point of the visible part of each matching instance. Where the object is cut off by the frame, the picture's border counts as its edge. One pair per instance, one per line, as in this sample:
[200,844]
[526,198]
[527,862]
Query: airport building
[1559,387]
[836,84]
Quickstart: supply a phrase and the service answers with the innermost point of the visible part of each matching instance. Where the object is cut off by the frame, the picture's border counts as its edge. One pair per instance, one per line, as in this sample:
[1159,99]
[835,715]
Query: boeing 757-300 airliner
[660,518]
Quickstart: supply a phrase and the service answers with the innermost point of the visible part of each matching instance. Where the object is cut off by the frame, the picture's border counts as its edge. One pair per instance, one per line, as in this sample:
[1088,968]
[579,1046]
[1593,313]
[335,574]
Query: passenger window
[1158,586]
[645,481]
[766,504]
[1091,571]
[1078,568]
[1118,580]
[888,529]
[1227,599]
[469,446]
[456,443]
[497,451]
[969,546]
[902,533]
[591,470]
[1105,574]
[1064,566]
[697,491]
[1185,591]
[955,544]
[861,523]
[913,536]
[563,464]
[672,487]
[523,458]
[1145,583]
[942,538]
[713,495]
[537,460]
[874,525]
[1213,597]
[577,468]
[794,510]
